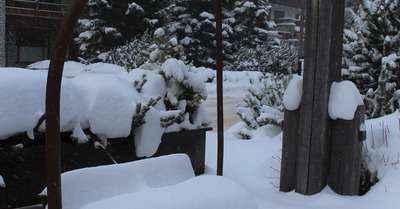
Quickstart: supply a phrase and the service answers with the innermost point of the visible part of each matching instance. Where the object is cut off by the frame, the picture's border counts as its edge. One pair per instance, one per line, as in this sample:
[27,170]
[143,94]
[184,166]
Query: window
[32,45]
[31,53]
[279,14]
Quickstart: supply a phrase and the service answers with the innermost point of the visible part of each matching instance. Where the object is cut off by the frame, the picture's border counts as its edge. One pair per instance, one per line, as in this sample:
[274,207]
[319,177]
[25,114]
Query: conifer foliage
[263,106]
[109,24]
[371,54]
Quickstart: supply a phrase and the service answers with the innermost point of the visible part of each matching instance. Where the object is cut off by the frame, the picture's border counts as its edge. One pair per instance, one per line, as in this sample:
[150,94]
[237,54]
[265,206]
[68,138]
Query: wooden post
[323,46]
[345,167]
[289,150]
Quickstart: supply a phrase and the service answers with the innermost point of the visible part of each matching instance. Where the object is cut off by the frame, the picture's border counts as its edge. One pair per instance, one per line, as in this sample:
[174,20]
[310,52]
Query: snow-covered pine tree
[269,57]
[373,40]
[109,24]
[251,23]
[95,33]
[129,55]
[263,106]
[193,23]
[164,48]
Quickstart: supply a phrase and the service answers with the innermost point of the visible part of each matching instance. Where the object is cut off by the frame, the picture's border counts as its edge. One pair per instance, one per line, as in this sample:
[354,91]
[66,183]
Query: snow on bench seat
[203,192]
[87,185]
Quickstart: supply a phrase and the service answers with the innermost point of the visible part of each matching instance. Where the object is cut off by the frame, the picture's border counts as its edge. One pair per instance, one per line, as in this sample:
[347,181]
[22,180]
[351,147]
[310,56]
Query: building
[28,29]
[286,14]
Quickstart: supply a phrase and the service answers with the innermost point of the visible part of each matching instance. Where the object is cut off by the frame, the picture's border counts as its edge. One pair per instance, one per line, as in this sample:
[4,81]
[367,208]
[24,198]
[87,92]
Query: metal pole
[220,109]
[53,90]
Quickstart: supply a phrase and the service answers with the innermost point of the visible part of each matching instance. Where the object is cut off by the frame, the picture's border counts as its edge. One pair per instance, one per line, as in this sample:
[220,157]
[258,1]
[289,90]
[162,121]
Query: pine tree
[263,106]
[109,24]
[371,49]
[129,55]
[251,23]
[269,57]
[165,47]
[193,23]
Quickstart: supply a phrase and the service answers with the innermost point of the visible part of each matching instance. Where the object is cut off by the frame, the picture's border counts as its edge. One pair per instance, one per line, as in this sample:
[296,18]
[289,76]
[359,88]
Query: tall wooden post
[323,49]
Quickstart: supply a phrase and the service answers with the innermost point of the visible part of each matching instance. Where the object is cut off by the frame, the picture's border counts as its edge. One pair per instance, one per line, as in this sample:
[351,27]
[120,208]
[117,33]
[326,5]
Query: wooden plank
[305,127]
[345,167]
[330,26]
[322,66]
[289,150]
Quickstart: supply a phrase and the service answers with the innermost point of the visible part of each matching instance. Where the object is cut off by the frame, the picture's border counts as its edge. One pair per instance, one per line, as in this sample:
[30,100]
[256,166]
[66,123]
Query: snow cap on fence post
[344,100]
[292,95]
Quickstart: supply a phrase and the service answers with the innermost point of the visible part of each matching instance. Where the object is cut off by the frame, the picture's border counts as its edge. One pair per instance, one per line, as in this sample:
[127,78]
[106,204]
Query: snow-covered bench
[162,182]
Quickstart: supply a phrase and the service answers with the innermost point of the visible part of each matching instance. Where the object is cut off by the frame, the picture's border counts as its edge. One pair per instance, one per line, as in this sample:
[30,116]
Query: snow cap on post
[344,100]
[292,95]
[2,183]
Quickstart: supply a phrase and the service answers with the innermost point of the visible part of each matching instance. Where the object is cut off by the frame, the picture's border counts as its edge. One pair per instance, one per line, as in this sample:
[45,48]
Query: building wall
[289,12]
[2,33]
[11,47]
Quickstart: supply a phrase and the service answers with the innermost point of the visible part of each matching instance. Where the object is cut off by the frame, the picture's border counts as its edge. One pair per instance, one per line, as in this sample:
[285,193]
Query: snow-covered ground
[251,167]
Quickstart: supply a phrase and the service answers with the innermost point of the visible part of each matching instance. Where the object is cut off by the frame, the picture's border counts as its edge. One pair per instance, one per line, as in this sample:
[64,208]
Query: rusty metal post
[53,90]
[220,109]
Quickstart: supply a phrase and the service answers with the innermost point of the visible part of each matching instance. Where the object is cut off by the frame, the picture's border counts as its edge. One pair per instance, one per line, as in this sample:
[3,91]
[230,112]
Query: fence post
[345,167]
[289,150]
[323,47]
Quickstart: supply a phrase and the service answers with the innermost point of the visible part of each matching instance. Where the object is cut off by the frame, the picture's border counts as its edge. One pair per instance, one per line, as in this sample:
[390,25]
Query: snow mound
[104,68]
[293,93]
[87,185]
[211,192]
[2,183]
[344,100]
[71,68]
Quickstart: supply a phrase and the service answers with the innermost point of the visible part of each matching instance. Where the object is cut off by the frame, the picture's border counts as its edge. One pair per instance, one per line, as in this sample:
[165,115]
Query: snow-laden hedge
[107,100]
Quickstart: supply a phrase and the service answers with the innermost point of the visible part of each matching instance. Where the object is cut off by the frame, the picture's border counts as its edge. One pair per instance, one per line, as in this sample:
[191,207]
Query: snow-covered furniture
[161,182]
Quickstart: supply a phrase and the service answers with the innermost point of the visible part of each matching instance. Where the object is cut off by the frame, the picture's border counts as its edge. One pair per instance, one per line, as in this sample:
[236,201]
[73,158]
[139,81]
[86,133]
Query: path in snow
[230,117]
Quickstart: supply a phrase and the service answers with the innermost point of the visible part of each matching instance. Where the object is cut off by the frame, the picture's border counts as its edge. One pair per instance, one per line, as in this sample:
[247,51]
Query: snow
[293,93]
[175,68]
[159,33]
[83,186]
[100,97]
[211,192]
[344,100]
[2,183]
[148,136]
[207,15]
[250,166]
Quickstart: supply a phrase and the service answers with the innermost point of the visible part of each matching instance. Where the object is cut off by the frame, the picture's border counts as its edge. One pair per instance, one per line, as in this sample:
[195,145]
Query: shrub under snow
[108,101]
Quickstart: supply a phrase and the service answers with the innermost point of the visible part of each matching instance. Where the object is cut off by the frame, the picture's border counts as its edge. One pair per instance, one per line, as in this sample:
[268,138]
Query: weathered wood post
[289,150]
[345,167]
[323,51]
